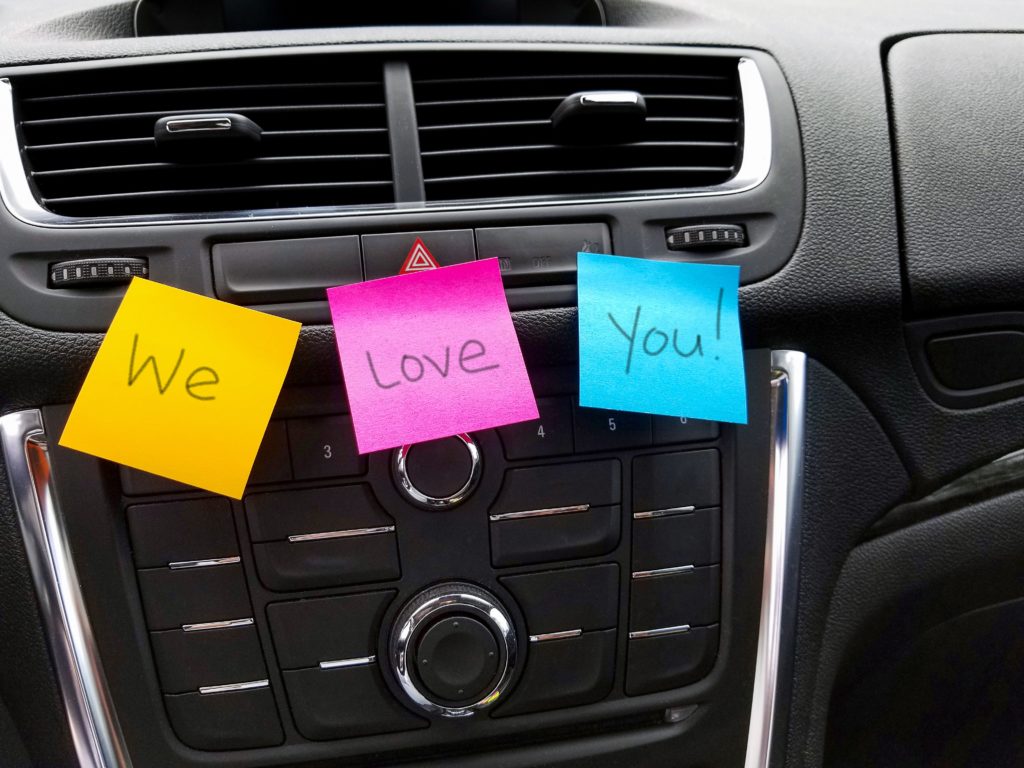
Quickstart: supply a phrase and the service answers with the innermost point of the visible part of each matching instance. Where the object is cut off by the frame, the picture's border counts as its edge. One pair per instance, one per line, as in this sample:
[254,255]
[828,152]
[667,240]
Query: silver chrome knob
[453,650]
[434,458]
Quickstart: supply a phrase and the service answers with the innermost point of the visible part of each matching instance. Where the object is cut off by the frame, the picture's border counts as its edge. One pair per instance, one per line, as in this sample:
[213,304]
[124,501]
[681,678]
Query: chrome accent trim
[198,123]
[781,561]
[347,534]
[610,97]
[540,513]
[226,624]
[92,720]
[361,661]
[676,569]
[401,474]
[755,163]
[662,512]
[757,130]
[448,598]
[679,629]
[545,636]
[209,562]
[135,17]
[252,685]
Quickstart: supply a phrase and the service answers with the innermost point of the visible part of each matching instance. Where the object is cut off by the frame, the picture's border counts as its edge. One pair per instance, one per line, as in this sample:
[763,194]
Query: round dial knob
[438,474]
[453,649]
[457,659]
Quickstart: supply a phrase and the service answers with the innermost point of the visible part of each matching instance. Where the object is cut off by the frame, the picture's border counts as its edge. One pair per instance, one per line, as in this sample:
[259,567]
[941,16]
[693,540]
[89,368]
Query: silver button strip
[543,638]
[212,561]
[610,97]
[199,123]
[540,512]
[227,624]
[662,572]
[662,512]
[660,632]
[342,534]
[361,661]
[233,687]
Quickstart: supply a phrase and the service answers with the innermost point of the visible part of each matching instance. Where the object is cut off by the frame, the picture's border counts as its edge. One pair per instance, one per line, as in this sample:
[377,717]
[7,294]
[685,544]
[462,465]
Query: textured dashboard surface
[958,138]
[840,299]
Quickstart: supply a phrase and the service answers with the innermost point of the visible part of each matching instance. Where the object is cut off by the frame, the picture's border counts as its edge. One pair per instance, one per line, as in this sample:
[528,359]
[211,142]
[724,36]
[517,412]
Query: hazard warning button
[397,253]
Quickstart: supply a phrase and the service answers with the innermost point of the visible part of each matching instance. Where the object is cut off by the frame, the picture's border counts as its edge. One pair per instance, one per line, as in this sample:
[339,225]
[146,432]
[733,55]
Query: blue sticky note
[661,337]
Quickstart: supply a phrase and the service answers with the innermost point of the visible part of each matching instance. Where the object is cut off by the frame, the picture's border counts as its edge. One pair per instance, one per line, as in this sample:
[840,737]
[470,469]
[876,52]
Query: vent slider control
[201,137]
[600,117]
[97,272]
[706,237]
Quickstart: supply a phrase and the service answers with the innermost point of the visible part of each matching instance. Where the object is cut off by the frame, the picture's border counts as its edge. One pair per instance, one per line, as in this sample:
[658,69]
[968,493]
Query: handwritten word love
[413,370]
[429,354]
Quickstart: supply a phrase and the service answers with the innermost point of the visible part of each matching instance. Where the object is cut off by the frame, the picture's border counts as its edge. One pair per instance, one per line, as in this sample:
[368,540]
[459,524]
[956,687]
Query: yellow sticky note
[183,387]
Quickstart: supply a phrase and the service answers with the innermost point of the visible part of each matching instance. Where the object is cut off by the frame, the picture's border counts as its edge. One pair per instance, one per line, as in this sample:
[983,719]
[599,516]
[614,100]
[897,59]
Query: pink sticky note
[429,355]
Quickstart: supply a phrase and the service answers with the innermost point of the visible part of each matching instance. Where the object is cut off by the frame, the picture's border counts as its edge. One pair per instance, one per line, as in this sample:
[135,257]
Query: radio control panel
[587,567]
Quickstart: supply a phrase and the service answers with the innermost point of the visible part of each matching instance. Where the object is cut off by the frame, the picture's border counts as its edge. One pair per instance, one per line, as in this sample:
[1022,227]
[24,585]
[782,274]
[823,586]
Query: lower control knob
[457,659]
[453,649]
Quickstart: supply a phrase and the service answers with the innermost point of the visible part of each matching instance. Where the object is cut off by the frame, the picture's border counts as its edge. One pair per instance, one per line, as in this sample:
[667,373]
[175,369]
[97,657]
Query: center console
[588,570]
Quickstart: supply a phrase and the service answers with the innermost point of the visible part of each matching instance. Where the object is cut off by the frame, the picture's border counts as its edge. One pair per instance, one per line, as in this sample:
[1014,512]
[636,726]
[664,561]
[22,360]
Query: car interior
[838,582]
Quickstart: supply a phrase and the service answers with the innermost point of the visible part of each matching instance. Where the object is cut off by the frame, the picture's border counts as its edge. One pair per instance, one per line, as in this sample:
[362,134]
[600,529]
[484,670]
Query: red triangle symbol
[420,259]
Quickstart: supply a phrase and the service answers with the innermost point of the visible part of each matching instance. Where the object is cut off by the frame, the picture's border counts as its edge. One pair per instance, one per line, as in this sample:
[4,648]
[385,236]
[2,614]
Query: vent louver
[485,128]
[87,136]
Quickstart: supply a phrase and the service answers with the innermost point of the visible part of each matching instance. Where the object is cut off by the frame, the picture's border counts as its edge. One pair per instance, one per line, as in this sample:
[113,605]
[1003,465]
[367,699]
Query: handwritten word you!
[655,341]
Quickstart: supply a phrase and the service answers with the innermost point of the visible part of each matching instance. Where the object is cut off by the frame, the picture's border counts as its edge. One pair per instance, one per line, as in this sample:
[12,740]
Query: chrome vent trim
[775,641]
[88,705]
[16,192]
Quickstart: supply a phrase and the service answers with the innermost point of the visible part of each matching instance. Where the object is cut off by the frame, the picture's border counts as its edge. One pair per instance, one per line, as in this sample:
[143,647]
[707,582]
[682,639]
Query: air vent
[485,124]
[89,149]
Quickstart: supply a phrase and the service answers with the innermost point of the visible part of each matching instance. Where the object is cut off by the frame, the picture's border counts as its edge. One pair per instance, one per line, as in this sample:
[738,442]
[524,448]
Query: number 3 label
[328,453]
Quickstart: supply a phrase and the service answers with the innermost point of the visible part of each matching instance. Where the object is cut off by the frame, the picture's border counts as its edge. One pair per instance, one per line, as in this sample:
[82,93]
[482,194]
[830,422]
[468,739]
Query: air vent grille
[87,136]
[485,129]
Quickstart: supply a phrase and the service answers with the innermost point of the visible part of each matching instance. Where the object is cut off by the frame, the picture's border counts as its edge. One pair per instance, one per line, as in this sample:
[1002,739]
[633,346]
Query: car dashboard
[595,587]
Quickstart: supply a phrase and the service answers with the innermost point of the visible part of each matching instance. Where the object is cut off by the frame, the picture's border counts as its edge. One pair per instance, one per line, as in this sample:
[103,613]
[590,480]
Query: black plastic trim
[403,133]
[920,332]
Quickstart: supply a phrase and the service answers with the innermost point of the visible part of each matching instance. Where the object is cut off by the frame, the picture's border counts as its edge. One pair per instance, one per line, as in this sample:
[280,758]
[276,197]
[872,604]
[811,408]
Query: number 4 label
[540,432]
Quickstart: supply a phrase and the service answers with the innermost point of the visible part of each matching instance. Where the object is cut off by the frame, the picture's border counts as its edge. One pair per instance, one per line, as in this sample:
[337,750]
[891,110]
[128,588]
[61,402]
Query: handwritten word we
[191,383]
